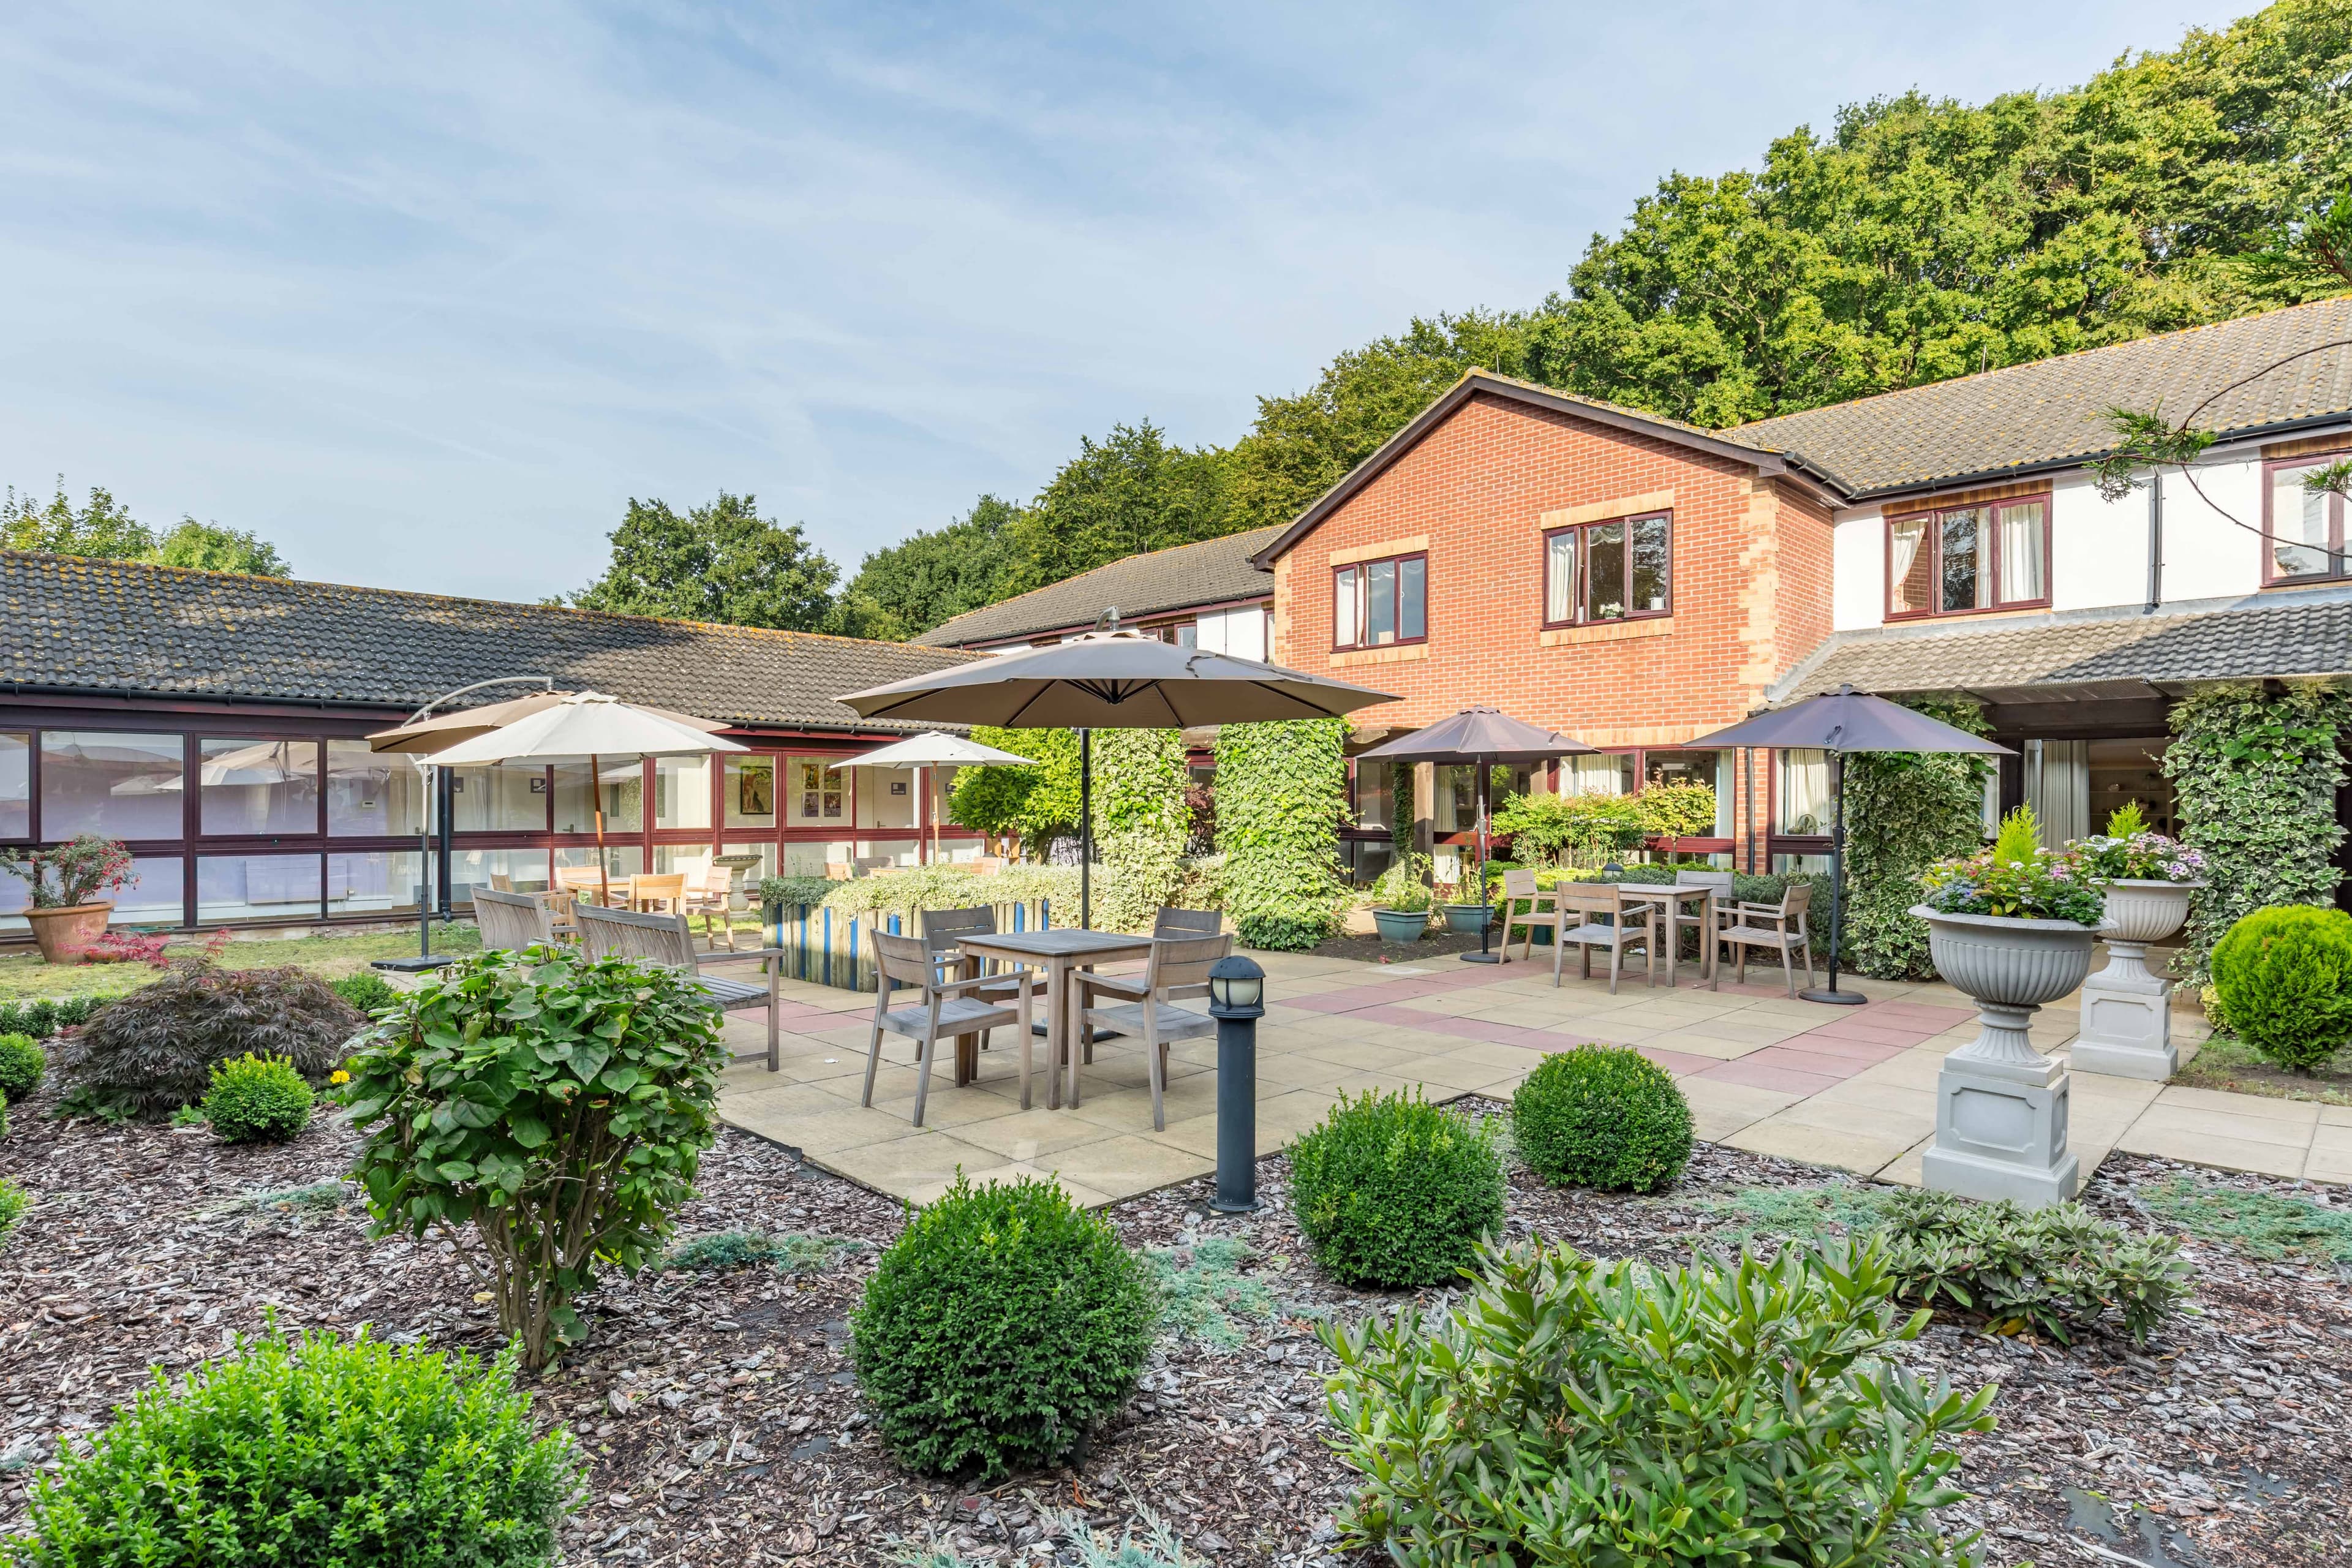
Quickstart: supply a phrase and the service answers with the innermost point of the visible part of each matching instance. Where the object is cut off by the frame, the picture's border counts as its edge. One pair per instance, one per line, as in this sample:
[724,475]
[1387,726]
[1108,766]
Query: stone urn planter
[65,933]
[1401,928]
[2126,1009]
[2000,1105]
[1464,919]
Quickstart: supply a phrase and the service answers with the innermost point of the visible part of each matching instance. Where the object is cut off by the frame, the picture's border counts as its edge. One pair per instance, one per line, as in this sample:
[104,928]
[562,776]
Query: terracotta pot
[66,934]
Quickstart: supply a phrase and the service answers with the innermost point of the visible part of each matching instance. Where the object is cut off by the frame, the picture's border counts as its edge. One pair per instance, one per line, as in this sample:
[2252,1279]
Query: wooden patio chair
[584,882]
[1179,967]
[1687,918]
[1543,913]
[664,939]
[664,887]
[1780,927]
[943,931]
[709,891]
[944,1009]
[1630,924]
[509,922]
[1187,922]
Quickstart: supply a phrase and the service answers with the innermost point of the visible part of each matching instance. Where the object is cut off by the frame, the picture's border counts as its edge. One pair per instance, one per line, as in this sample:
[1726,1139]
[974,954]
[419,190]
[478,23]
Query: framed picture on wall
[755,791]
[897,786]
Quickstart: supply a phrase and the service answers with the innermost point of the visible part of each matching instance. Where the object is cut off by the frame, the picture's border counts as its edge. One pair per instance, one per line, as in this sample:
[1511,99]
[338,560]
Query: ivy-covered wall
[1903,812]
[2257,776]
[1140,825]
[1281,793]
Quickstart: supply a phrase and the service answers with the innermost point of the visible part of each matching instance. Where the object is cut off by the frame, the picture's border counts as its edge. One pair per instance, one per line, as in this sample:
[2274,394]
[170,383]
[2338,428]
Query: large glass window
[16,786]
[1613,571]
[373,881]
[1376,794]
[1965,558]
[154,893]
[751,792]
[508,798]
[256,887]
[682,792]
[119,785]
[1377,602]
[620,782]
[2305,527]
[257,786]
[373,793]
[1610,773]
[508,870]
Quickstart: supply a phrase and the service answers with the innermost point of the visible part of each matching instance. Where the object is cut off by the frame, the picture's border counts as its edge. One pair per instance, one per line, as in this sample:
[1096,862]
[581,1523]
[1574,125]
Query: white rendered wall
[1239,632]
[2098,549]
[1858,570]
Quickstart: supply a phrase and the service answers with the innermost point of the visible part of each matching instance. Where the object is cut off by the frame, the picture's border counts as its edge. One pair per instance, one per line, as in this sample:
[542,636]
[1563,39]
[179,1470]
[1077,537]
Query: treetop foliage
[102,528]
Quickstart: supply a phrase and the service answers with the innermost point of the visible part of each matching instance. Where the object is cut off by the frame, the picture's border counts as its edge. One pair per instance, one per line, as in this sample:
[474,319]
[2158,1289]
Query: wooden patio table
[1668,894]
[1060,953]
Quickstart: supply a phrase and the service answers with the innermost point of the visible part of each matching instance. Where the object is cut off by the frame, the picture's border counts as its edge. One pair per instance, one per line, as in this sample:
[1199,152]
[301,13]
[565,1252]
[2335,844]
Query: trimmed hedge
[257,1100]
[1604,1117]
[1391,1190]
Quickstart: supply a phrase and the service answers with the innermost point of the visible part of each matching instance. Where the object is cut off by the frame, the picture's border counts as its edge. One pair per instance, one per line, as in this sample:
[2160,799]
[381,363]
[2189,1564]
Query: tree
[1039,803]
[722,562]
[103,529]
[1129,493]
[209,547]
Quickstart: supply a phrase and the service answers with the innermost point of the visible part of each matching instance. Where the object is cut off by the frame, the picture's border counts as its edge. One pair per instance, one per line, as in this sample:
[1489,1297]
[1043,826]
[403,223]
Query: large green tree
[1131,491]
[722,562]
[103,528]
[933,575]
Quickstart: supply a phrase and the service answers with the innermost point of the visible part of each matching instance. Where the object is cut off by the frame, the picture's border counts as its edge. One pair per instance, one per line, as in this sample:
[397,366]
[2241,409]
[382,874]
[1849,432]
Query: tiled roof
[1212,571]
[2052,411]
[2307,634]
[124,627]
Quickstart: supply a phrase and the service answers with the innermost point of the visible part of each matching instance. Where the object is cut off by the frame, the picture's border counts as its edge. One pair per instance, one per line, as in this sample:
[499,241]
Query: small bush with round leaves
[2285,975]
[1604,1117]
[257,1100]
[313,1451]
[1000,1328]
[1391,1190]
[13,1203]
[23,1065]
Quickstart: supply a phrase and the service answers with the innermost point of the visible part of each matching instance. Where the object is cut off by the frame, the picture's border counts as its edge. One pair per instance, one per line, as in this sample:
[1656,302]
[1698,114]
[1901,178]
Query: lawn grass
[329,955]
[2225,1063]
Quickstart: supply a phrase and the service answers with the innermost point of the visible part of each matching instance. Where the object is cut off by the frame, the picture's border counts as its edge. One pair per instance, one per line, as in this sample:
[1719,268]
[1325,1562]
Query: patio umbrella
[1838,722]
[1481,737]
[577,727]
[922,753]
[1109,680]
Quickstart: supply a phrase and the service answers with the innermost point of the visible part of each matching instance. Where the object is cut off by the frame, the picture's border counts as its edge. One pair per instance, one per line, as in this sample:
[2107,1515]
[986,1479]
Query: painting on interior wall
[820,790]
[755,791]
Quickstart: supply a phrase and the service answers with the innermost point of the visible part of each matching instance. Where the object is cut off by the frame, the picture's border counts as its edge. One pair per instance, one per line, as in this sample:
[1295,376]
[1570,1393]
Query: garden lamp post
[1236,1001]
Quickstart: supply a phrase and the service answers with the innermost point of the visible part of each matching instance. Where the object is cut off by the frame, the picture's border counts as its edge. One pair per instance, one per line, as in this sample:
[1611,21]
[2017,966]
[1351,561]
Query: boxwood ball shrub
[257,1100]
[999,1328]
[23,1064]
[2285,975]
[1390,1190]
[318,1452]
[1574,1411]
[1604,1117]
[153,1051]
[364,991]
[558,1105]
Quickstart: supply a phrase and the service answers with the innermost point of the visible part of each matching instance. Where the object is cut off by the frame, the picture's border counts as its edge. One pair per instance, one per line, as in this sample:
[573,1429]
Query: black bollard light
[1236,1001]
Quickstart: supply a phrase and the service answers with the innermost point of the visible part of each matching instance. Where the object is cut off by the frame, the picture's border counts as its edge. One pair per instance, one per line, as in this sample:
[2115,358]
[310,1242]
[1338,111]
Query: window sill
[1997,613]
[1398,653]
[1608,631]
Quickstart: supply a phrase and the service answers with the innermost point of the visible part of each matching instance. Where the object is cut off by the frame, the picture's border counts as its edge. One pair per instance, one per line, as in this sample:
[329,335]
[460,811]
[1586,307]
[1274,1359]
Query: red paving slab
[1762,1075]
[1677,1061]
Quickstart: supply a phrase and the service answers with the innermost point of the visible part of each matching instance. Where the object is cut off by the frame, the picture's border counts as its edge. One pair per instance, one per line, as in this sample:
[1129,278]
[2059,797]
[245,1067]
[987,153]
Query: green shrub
[999,1328]
[727,1251]
[2285,975]
[4,1120]
[321,1451]
[1282,793]
[13,1205]
[559,1105]
[1604,1117]
[42,1017]
[23,1065]
[257,1100]
[153,1051]
[1572,1412]
[1391,1190]
[365,991]
[2060,1270]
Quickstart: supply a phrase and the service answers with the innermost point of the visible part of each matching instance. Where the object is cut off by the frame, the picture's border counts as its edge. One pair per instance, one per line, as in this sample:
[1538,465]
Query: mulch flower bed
[725,1428]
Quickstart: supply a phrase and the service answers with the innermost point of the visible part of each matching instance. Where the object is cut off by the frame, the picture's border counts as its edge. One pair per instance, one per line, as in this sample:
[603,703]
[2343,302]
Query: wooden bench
[665,940]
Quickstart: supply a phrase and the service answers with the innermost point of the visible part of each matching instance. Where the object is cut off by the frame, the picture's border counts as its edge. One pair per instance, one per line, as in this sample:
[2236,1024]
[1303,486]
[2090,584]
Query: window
[1615,571]
[818,790]
[1800,794]
[2304,529]
[618,789]
[1611,773]
[751,792]
[118,785]
[371,793]
[1375,604]
[682,792]
[507,797]
[257,786]
[16,786]
[1967,557]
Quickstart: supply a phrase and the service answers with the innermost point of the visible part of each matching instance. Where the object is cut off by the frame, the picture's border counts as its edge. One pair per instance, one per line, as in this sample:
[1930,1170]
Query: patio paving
[1852,1087]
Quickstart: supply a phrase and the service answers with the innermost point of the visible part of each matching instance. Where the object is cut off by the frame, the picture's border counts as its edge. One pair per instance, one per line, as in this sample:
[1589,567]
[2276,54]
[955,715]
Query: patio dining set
[1652,917]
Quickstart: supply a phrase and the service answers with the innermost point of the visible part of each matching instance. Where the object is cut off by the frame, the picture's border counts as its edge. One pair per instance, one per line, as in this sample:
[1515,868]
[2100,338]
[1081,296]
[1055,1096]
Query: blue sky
[425,293]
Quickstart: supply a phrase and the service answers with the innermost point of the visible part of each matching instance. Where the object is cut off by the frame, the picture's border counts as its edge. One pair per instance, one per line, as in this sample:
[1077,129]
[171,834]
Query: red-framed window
[1965,560]
[1618,570]
[2303,530]
[1379,603]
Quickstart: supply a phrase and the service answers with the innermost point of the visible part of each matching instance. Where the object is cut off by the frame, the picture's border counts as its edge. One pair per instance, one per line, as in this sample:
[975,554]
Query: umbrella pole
[1085,827]
[1832,995]
[1487,915]
[596,794]
[424,868]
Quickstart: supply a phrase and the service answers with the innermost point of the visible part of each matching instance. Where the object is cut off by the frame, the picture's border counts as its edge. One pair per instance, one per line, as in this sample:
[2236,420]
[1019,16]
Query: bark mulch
[724,1425]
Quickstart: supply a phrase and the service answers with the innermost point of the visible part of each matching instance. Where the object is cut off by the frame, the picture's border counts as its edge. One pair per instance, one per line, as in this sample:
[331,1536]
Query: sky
[423,294]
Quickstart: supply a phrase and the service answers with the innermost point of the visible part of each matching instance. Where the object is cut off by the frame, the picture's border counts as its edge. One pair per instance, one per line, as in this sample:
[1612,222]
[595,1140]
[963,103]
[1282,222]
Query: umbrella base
[1480,957]
[417,965]
[1834,998]
[1039,1030]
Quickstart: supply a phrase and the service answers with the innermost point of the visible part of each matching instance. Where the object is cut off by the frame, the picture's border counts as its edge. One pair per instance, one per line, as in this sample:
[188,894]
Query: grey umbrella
[1481,737]
[1109,680]
[1838,722]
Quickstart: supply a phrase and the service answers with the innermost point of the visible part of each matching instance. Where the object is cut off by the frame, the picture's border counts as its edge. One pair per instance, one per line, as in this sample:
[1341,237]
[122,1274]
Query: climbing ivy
[1400,813]
[1281,790]
[1140,825]
[1903,811]
[2257,775]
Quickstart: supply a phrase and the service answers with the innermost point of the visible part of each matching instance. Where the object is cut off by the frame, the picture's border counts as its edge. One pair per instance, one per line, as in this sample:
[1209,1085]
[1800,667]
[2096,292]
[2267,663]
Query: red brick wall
[1750,585]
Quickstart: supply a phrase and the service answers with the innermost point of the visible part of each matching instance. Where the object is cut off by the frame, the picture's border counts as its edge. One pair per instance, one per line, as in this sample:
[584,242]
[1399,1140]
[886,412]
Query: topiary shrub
[559,1105]
[153,1051]
[23,1065]
[1570,1411]
[999,1328]
[366,992]
[356,1454]
[1604,1117]
[1390,1190]
[257,1100]
[2284,977]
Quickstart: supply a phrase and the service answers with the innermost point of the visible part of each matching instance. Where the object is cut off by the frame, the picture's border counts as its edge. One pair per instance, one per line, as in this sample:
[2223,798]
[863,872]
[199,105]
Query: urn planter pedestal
[2126,1010]
[2000,1105]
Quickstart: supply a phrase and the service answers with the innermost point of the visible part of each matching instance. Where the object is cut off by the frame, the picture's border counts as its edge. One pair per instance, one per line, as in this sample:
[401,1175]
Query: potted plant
[2126,1010]
[2011,926]
[1400,901]
[67,915]
[1464,913]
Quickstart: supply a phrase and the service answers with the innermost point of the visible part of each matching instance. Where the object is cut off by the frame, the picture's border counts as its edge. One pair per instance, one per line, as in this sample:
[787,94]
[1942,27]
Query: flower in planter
[73,873]
[2129,852]
[2017,879]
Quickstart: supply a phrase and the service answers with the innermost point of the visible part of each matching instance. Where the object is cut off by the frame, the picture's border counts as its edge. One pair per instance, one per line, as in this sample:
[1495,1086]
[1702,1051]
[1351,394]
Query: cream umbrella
[925,751]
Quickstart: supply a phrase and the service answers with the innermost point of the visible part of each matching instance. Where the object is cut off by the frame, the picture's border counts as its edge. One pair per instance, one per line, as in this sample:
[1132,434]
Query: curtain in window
[2020,553]
[2058,788]
[1560,576]
[1343,606]
[1608,774]
[1801,792]
[1904,537]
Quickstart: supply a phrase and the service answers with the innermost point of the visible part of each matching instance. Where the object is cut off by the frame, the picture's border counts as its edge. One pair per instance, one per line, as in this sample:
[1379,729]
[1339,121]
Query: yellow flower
[339,1076]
